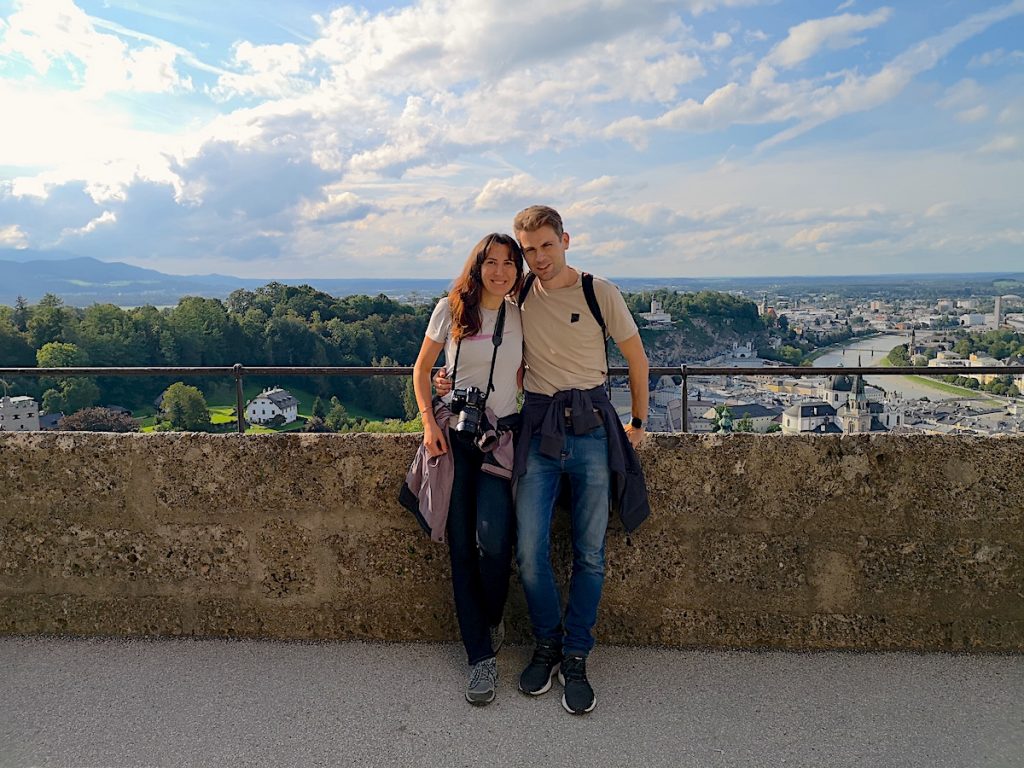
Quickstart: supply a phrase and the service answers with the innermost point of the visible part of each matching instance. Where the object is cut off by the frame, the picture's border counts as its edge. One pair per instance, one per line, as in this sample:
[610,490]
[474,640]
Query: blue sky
[683,138]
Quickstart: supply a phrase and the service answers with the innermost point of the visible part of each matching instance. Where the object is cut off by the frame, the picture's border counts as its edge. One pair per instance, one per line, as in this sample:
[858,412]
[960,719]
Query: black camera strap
[496,336]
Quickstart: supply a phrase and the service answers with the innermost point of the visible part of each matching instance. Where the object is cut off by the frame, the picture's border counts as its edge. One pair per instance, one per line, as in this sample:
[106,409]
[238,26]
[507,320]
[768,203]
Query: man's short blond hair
[536,216]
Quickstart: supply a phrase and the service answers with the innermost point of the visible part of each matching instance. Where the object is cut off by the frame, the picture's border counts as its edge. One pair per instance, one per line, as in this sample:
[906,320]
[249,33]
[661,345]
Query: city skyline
[692,139]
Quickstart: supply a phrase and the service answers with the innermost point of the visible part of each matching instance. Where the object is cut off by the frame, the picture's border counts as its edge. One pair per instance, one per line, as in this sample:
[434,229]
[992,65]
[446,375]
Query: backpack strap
[525,290]
[595,310]
[588,293]
[591,297]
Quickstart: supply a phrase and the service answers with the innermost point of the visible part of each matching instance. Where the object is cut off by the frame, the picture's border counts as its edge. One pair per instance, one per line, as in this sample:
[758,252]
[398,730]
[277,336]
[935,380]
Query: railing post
[684,415]
[239,372]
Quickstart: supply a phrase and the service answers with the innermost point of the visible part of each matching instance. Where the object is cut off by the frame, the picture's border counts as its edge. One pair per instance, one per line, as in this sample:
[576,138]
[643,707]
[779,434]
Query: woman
[483,353]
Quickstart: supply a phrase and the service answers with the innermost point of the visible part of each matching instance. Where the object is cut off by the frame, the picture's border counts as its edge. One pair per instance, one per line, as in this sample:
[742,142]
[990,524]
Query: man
[570,430]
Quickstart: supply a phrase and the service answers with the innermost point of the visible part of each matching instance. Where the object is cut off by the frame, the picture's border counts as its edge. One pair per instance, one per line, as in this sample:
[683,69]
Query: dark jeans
[480,531]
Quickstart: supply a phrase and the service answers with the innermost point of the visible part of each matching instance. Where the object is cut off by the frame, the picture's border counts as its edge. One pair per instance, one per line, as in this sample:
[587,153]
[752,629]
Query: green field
[942,386]
[222,412]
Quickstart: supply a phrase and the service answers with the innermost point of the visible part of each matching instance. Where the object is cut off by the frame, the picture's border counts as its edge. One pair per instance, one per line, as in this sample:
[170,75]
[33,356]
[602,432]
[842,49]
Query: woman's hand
[442,384]
[433,436]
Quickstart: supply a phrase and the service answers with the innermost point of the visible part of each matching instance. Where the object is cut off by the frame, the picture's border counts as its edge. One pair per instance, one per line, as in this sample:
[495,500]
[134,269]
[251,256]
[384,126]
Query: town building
[814,417]
[978,361]
[842,406]
[19,414]
[761,417]
[270,404]
[657,318]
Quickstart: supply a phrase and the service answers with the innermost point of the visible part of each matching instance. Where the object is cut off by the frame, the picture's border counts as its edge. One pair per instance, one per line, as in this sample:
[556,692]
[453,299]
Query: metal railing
[239,372]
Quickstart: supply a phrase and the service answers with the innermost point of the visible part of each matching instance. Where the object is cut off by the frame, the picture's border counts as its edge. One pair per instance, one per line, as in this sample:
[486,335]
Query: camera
[469,404]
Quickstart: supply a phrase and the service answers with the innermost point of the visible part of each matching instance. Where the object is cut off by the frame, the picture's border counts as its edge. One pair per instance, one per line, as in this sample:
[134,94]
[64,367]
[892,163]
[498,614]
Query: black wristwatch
[636,423]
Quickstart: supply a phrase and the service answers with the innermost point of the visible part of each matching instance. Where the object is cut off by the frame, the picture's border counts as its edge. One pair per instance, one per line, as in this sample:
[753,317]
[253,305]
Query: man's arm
[639,383]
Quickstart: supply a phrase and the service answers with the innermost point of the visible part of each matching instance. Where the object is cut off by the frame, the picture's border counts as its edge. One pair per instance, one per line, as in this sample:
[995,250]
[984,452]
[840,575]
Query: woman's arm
[433,434]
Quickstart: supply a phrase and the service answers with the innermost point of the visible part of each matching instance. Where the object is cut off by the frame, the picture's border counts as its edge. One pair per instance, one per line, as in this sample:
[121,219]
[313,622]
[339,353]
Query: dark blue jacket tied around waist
[545,416]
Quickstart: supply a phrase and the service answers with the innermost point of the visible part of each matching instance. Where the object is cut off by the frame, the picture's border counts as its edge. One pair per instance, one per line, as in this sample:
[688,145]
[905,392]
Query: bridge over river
[871,352]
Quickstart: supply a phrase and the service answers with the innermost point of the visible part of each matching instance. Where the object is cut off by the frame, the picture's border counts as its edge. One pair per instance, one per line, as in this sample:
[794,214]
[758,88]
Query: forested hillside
[273,325]
[287,326]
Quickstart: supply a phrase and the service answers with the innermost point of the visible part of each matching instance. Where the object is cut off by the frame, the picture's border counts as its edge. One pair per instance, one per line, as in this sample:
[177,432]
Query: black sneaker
[578,698]
[536,678]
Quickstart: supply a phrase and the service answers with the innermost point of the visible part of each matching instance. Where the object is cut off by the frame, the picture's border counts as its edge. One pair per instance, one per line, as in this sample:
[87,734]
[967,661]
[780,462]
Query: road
[112,703]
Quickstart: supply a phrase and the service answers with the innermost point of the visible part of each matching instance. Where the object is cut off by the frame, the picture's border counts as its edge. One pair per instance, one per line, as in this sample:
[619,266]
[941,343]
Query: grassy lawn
[942,386]
[222,412]
[952,389]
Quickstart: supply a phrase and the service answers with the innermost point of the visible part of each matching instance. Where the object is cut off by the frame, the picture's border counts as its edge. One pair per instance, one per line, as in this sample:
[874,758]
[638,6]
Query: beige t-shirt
[563,346]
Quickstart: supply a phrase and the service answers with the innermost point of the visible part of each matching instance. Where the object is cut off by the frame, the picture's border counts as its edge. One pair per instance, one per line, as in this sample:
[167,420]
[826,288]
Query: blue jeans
[480,536]
[584,460]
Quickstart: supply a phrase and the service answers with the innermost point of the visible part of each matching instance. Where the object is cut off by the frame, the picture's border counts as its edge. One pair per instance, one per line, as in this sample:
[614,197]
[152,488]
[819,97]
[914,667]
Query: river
[872,351]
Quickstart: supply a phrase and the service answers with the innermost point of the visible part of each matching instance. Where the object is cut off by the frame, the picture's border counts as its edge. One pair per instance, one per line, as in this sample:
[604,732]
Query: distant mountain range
[81,281]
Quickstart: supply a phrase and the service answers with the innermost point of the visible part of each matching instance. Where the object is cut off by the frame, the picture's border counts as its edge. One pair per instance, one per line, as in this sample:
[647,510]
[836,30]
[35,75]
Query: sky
[309,139]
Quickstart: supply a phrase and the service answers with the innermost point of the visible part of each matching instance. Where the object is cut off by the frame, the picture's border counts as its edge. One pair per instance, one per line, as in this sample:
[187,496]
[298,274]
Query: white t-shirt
[475,357]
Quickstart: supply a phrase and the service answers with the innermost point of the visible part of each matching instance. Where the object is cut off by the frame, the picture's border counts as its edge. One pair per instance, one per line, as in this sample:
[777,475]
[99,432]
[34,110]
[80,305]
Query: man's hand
[442,384]
[635,435]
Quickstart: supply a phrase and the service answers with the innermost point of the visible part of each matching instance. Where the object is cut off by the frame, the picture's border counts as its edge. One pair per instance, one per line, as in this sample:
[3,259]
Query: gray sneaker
[498,636]
[482,679]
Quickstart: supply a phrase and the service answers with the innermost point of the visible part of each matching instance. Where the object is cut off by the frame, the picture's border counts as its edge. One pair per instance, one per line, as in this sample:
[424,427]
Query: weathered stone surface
[286,561]
[922,566]
[802,542]
[130,616]
[56,549]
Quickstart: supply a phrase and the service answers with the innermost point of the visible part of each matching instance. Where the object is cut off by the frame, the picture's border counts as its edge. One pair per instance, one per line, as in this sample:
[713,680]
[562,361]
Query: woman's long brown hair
[467,289]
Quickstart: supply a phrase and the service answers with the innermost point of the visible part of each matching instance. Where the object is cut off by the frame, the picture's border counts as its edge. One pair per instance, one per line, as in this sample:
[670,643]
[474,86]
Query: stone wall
[787,542]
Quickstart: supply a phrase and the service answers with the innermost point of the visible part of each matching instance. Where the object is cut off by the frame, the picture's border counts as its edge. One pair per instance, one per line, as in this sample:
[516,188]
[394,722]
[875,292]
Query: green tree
[51,321]
[53,402]
[337,418]
[185,408]
[21,314]
[319,412]
[72,393]
[79,393]
[201,331]
[412,408]
[15,351]
[746,424]
[899,357]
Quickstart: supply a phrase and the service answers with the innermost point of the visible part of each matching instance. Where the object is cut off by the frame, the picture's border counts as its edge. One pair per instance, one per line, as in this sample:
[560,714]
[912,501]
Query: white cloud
[963,94]
[720,41]
[11,236]
[1001,145]
[267,71]
[57,32]
[993,58]
[806,39]
[393,140]
[973,115]
[939,210]
[106,218]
